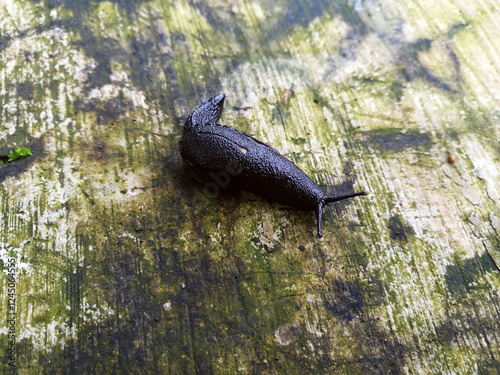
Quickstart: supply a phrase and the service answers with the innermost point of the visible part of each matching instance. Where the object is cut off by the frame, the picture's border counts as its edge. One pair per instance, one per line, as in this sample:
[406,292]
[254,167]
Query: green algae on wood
[125,264]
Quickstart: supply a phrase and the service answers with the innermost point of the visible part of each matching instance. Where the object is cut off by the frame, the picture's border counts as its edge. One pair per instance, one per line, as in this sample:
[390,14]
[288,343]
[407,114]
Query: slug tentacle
[235,159]
[319,214]
[329,199]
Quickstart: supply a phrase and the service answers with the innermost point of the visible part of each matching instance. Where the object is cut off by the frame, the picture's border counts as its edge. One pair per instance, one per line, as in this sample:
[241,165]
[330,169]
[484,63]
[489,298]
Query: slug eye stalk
[329,199]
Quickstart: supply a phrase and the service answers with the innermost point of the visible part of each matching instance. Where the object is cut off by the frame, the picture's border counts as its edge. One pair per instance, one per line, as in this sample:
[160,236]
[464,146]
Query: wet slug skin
[247,163]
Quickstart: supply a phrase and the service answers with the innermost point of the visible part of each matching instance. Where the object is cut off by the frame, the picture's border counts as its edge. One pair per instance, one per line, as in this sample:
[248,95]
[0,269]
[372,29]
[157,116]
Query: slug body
[234,158]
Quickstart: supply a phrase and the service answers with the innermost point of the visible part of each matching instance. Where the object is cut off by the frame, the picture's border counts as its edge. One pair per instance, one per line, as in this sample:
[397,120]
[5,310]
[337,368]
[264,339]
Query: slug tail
[208,113]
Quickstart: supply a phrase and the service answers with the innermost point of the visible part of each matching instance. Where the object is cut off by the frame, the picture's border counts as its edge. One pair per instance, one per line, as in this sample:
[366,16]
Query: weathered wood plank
[124,263]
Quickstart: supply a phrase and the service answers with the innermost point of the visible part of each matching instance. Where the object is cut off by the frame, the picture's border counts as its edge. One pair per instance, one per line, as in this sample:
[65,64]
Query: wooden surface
[124,263]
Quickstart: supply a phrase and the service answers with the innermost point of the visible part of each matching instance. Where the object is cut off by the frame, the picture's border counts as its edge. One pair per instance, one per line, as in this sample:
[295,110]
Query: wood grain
[126,263]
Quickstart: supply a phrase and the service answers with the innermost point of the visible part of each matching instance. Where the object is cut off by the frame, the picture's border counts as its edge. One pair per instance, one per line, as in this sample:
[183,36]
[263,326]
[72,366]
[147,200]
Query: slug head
[206,114]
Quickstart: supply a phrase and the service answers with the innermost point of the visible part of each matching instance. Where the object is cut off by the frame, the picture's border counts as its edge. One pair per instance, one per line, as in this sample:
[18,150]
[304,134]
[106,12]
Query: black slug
[231,157]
